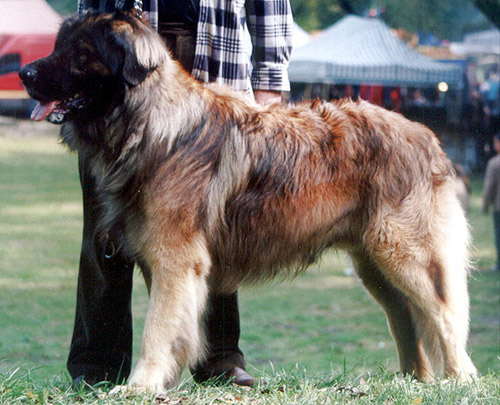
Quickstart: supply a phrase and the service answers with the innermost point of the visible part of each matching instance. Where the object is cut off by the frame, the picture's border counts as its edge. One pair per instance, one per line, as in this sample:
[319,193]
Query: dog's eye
[79,62]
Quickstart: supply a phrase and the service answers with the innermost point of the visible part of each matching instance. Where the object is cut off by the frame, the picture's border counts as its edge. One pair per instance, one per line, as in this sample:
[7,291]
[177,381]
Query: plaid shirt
[221,53]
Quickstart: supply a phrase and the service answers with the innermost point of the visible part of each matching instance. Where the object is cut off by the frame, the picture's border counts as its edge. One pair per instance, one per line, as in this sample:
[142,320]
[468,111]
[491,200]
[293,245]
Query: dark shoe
[239,376]
[79,383]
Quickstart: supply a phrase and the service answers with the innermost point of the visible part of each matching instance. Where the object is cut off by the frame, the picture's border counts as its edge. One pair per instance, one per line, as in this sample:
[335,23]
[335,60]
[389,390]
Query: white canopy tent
[359,50]
[479,43]
[300,37]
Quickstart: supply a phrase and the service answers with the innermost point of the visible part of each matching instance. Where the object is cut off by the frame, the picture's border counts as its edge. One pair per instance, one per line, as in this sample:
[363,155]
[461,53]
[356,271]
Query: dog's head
[96,58]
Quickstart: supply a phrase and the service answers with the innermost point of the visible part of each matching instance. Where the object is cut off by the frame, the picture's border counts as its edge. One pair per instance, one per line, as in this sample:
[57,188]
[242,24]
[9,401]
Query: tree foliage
[63,7]
[491,8]
[447,19]
[319,14]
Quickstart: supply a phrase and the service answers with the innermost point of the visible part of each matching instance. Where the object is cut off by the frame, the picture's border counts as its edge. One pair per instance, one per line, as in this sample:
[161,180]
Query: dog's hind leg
[412,358]
[430,269]
[448,270]
[172,335]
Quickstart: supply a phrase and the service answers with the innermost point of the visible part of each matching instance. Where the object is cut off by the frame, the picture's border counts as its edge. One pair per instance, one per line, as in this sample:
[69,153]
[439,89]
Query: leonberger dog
[208,191]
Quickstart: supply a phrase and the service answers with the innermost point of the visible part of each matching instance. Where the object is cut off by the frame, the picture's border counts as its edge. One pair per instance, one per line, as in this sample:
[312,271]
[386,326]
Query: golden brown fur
[209,192]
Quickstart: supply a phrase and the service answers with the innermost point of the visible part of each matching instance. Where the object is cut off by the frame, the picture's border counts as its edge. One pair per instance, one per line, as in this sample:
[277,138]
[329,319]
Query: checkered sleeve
[270,23]
[84,5]
[221,55]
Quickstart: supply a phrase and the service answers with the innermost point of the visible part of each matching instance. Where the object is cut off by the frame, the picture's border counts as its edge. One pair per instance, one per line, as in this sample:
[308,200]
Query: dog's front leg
[172,335]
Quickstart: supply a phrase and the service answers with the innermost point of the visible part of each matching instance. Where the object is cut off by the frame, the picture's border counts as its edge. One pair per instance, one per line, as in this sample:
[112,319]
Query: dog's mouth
[58,111]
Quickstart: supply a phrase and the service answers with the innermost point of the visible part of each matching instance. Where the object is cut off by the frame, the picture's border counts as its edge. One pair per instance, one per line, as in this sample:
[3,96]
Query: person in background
[208,38]
[491,194]
[491,92]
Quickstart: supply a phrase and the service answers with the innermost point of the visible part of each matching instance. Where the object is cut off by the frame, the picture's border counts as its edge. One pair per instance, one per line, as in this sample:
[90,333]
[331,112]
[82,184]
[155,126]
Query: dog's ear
[142,52]
[133,71]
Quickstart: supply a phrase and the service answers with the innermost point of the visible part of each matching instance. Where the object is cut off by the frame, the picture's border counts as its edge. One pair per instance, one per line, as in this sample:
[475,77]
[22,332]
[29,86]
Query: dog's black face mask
[87,75]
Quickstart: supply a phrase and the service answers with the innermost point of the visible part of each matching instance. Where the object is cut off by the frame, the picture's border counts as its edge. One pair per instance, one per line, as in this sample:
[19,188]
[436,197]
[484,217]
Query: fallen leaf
[352,391]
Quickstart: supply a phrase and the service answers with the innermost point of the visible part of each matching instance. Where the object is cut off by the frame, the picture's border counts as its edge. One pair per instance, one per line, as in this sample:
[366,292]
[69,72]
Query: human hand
[266,97]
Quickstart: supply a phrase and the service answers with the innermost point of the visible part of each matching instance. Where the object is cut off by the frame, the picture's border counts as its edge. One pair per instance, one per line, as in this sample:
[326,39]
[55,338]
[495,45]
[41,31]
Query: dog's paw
[121,390]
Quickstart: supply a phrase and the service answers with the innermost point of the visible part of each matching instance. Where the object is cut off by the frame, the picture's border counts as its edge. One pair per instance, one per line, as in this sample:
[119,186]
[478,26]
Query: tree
[319,14]
[446,19]
[491,9]
[63,7]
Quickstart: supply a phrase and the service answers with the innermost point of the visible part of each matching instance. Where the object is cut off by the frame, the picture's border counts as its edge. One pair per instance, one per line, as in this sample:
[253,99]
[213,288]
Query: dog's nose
[27,74]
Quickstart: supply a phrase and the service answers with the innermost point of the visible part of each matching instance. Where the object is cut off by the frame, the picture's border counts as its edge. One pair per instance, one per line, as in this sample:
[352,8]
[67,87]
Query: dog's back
[321,175]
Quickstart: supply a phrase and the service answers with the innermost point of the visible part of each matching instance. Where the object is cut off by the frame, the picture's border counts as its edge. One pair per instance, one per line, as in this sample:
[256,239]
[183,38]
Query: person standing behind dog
[491,193]
[207,37]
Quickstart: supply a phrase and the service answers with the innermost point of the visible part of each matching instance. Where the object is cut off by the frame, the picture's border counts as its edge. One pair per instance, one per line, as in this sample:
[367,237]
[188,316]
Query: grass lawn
[309,336]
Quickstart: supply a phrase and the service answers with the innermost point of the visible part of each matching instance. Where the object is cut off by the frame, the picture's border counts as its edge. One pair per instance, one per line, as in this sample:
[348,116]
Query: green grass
[287,388]
[307,337]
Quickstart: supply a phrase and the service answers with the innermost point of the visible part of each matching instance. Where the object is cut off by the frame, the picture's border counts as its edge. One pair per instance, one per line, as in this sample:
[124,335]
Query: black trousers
[101,347]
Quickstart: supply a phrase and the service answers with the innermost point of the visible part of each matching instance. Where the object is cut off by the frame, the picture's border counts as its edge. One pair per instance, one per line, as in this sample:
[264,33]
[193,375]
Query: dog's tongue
[41,111]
